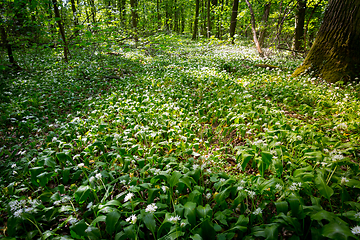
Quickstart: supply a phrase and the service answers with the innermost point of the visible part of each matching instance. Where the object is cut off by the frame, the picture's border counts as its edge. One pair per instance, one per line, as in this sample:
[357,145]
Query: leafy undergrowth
[176,139]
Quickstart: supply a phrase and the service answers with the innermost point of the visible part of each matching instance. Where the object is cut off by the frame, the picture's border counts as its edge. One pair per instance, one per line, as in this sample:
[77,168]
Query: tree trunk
[208,28]
[196,20]
[335,52]
[7,44]
[299,25]
[253,29]
[233,19]
[134,18]
[61,29]
[264,22]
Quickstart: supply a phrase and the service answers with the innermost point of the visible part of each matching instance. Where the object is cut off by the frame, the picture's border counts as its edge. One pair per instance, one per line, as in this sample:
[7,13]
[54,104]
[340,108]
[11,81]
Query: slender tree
[299,25]
[264,21]
[233,19]
[253,29]
[196,20]
[335,52]
[6,42]
[134,18]
[61,29]
[208,27]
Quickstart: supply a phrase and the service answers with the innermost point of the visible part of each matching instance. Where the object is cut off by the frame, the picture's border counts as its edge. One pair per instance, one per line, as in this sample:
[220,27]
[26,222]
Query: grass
[176,139]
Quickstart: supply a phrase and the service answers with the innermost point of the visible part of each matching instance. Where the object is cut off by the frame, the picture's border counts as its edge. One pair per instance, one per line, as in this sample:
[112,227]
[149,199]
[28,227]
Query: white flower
[182,224]
[355,230]
[239,188]
[208,195]
[258,211]
[174,219]
[278,187]
[222,180]
[128,197]
[164,188]
[132,219]
[295,186]
[13,166]
[344,180]
[14,172]
[151,208]
[299,138]
[251,193]
[91,179]
[80,165]
[98,176]
[195,166]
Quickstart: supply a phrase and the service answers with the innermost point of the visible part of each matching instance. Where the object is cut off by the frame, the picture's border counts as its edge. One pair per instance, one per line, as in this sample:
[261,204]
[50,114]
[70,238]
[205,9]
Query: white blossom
[151,208]
[132,219]
[128,197]
[258,211]
[356,230]
[278,187]
[98,176]
[80,165]
[174,219]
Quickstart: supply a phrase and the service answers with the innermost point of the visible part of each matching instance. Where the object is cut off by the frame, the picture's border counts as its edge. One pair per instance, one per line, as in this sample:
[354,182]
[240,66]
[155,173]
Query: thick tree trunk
[253,29]
[335,52]
[264,22]
[61,29]
[299,25]
[196,20]
[233,19]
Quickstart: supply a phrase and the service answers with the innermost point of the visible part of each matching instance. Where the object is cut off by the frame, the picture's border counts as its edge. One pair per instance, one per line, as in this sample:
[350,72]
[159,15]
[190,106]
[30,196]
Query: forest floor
[176,139]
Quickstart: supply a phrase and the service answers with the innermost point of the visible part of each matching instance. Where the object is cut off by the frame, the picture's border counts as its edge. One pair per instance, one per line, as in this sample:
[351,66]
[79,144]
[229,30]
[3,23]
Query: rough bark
[61,29]
[264,21]
[299,25]
[233,19]
[335,52]
[253,29]
[196,20]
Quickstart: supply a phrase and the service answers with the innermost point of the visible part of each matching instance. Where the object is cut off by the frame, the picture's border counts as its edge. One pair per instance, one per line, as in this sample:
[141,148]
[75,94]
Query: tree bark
[233,19]
[253,29]
[208,28]
[61,29]
[334,55]
[264,22]
[134,18]
[196,20]
[7,44]
[299,25]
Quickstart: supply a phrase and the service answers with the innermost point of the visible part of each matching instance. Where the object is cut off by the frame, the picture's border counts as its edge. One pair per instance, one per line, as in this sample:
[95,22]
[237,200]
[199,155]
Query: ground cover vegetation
[122,133]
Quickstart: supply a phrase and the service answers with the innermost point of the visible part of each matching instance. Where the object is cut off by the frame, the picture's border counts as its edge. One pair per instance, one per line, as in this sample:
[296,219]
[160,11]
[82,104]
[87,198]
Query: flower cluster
[295,186]
[151,208]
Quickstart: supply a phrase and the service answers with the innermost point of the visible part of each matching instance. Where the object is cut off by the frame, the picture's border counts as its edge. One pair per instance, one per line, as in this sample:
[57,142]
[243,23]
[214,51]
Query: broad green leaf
[282,207]
[93,233]
[336,231]
[189,212]
[150,222]
[196,237]
[324,189]
[174,179]
[204,211]
[111,221]
[82,193]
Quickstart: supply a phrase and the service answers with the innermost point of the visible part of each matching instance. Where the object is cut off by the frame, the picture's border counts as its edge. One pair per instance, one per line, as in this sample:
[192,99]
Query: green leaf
[174,179]
[150,222]
[93,233]
[196,237]
[189,212]
[324,189]
[246,157]
[282,207]
[111,221]
[336,231]
[82,193]
[79,228]
[204,211]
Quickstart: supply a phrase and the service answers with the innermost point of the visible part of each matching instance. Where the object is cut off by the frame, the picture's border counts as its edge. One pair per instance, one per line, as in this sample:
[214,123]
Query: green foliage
[163,141]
